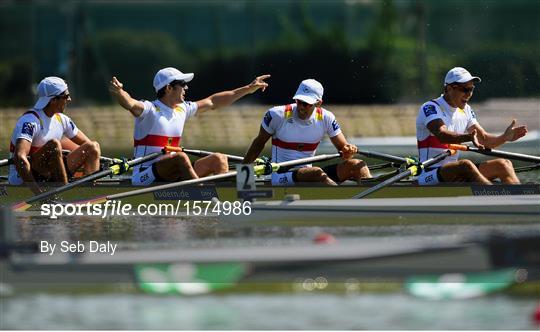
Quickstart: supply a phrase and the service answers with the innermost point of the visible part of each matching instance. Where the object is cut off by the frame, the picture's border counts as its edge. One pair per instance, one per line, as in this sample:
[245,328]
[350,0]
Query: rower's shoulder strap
[434,101]
[288,111]
[319,115]
[156,106]
[36,114]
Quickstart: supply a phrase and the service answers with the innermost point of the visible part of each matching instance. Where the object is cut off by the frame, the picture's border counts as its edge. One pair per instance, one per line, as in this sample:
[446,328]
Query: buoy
[536,315]
[324,238]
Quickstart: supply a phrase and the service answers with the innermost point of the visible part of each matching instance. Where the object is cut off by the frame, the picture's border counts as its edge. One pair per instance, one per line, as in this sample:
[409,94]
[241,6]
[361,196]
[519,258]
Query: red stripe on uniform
[431,142]
[157,140]
[295,146]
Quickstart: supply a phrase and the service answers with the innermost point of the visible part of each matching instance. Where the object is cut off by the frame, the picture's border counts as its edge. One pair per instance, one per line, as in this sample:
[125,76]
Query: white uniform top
[158,126]
[456,119]
[37,128]
[294,138]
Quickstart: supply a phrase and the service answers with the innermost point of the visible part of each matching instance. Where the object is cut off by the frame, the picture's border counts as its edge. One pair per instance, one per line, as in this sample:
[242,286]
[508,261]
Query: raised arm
[256,146]
[512,133]
[226,98]
[116,88]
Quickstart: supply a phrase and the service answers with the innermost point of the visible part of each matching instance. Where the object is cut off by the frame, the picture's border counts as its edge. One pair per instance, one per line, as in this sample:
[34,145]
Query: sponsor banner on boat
[248,195]
[187,193]
[499,190]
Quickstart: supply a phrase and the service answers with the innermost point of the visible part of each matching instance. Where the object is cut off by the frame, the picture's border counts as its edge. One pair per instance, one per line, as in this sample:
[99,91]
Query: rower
[161,122]
[449,119]
[296,130]
[38,133]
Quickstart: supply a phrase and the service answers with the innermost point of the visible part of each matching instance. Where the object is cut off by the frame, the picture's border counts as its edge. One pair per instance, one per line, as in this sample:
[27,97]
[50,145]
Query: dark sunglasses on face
[181,83]
[63,96]
[464,89]
[303,103]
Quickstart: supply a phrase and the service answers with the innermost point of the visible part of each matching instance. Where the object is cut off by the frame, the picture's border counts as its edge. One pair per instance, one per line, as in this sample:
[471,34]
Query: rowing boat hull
[436,210]
[227,192]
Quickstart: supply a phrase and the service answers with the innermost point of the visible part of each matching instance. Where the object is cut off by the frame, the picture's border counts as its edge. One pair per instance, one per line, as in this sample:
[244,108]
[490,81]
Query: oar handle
[496,153]
[460,147]
[169,148]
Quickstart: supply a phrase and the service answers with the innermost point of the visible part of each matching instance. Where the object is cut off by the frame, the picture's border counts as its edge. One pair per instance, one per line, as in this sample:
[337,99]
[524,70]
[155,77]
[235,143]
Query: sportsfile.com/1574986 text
[117,208]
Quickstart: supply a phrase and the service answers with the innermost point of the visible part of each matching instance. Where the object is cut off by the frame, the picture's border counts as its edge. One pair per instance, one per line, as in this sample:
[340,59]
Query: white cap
[460,75]
[309,91]
[169,74]
[49,88]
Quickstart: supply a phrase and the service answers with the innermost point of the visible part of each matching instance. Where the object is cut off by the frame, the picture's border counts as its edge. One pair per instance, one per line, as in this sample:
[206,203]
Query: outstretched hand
[513,133]
[348,151]
[474,140]
[258,83]
[115,86]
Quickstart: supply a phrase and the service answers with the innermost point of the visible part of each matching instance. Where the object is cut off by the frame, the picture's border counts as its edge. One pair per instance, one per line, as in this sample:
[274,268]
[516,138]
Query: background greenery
[363,52]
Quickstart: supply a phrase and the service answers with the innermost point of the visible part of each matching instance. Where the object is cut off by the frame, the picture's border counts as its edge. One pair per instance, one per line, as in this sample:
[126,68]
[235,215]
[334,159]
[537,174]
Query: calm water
[263,312]
[293,310]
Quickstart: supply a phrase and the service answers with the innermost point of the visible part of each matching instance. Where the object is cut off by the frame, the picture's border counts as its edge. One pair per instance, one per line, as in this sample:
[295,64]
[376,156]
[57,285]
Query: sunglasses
[464,89]
[303,103]
[181,83]
[64,96]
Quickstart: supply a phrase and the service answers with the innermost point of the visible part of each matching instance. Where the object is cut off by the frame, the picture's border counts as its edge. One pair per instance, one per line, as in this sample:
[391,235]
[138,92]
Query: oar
[112,170]
[201,153]
[387,157]
[413,170]
[9,161]
[496,153]
[383,166]
[5,162]
[259,170]
[527,168]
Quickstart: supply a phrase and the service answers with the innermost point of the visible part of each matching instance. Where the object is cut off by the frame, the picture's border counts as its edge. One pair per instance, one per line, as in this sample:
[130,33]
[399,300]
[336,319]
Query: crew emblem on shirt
[28,129]
[335,125]
[429,109]
[267,118]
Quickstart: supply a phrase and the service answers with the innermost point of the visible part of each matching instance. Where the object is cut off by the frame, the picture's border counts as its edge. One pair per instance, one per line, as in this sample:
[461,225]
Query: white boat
[508,209]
